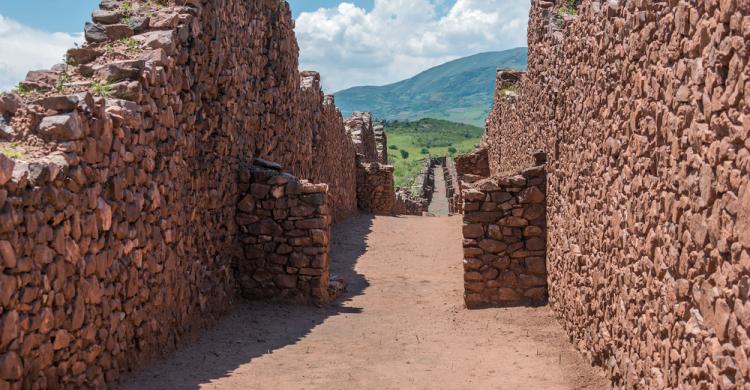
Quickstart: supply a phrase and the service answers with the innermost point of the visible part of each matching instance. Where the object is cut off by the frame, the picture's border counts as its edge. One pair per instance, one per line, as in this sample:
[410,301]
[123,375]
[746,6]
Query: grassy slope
[459,91]
[433,134]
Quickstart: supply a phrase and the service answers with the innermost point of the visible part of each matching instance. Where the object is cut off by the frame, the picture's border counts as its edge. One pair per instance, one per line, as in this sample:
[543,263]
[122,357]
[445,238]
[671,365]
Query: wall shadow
[254,328]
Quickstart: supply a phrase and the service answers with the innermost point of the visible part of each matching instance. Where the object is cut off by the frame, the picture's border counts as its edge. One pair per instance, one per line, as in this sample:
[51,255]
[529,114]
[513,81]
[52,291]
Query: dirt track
[402,325]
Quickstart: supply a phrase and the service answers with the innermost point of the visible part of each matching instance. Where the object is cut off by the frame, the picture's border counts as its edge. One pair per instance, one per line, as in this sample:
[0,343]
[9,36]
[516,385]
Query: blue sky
[350,42]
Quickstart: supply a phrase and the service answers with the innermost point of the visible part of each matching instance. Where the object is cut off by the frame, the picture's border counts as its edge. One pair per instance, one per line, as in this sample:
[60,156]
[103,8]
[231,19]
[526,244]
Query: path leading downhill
[402,325]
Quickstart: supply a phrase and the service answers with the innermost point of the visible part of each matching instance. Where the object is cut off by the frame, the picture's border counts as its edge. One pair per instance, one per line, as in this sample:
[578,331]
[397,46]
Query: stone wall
[452,187]
[359,127]
[381,143]
[334,157]
[375,191]
[284,227]
[117,223]
[505,240]
[643,109]
[475,164]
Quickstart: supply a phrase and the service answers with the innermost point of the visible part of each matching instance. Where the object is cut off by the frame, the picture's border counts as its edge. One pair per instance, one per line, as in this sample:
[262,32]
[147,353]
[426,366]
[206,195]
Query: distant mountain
[460,91]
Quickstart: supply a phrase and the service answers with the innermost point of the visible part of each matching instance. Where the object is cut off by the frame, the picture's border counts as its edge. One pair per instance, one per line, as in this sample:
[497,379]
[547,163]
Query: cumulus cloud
[23,48]
[399,38]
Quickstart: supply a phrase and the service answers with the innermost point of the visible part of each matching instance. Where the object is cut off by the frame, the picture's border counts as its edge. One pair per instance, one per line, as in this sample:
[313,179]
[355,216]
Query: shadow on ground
[254,329]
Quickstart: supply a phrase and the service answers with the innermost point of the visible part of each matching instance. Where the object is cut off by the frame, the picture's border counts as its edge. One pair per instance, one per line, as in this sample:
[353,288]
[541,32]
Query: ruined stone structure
[284,228]
[473,166]
[452,187]
[375,191]
[359,127]
[381,143]
[643,109]
[504,240]
[333,152]
[119,229]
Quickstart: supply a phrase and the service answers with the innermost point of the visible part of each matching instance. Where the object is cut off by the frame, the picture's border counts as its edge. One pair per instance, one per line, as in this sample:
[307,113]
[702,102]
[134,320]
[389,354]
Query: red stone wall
[375,191]
[117,225]
[334,161]
[359,127]
[643,109]
[505,240]
[474,165]
[284,227]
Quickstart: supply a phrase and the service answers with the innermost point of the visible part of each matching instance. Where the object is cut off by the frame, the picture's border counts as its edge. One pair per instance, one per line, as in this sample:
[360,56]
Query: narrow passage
[439,205]
[402,325]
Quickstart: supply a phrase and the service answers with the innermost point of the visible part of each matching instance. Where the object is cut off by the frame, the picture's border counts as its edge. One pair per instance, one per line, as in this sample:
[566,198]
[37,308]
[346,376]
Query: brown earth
[402,325]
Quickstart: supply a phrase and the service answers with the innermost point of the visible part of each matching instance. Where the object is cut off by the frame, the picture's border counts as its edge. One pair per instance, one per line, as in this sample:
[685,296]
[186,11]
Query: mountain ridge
[460,90]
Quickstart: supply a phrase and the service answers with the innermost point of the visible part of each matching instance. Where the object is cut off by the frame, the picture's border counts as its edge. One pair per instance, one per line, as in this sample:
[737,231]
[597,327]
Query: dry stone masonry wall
[118,225]
[359,126]
[284,227]
[505,240]
[375,191]
[643,109]
[334,157]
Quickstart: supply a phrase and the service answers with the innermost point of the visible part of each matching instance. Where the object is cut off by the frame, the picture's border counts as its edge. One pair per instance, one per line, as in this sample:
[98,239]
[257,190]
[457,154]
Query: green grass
[12,152]
[437,137]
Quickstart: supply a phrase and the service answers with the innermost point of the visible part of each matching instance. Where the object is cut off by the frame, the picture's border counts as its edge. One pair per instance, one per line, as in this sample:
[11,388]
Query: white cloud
[23,48]
[400,38]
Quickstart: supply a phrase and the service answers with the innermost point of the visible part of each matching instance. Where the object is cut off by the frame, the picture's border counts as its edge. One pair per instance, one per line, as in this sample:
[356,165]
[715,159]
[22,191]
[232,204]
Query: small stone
[536,244]
[6,169]
[508,295]
[11,367]
[106,16]
[59,102]
[120,70]
[8,254]
[285,281]
[83,56]
[159,40]
[8,328]
[65,127]
[493,246]
[95,32]
[531,195]
[514,222]
[62,339]
[473,231]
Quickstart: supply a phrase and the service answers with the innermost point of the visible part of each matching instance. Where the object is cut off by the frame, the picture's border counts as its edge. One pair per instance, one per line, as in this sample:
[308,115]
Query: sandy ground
[401,325]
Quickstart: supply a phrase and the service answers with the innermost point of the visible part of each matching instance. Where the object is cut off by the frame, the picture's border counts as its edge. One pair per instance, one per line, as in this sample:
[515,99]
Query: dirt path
[402,325]
[439,205]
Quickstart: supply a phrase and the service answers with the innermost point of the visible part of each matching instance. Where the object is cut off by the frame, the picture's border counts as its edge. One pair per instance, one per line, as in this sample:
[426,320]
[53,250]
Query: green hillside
[459,91]
[411,142]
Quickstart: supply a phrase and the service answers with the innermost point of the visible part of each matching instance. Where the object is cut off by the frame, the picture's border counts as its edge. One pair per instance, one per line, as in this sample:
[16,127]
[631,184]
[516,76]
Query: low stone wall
[408,204]
[475,164]
[453,187]
[375,191]
[505,240]
[284,228]
[359,127]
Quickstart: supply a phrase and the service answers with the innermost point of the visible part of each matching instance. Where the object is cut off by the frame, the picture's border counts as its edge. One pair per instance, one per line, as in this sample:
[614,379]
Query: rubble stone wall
[381,143]
[452,187]
[118,224]
[643,109]
[359,127]
[505,240]
[474,164]
[333,156]
[375,191]
[284,227]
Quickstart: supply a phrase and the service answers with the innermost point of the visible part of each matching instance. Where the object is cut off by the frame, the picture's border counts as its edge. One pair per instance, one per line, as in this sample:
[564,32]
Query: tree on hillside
[425,151]
[452,150]
[404,154]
